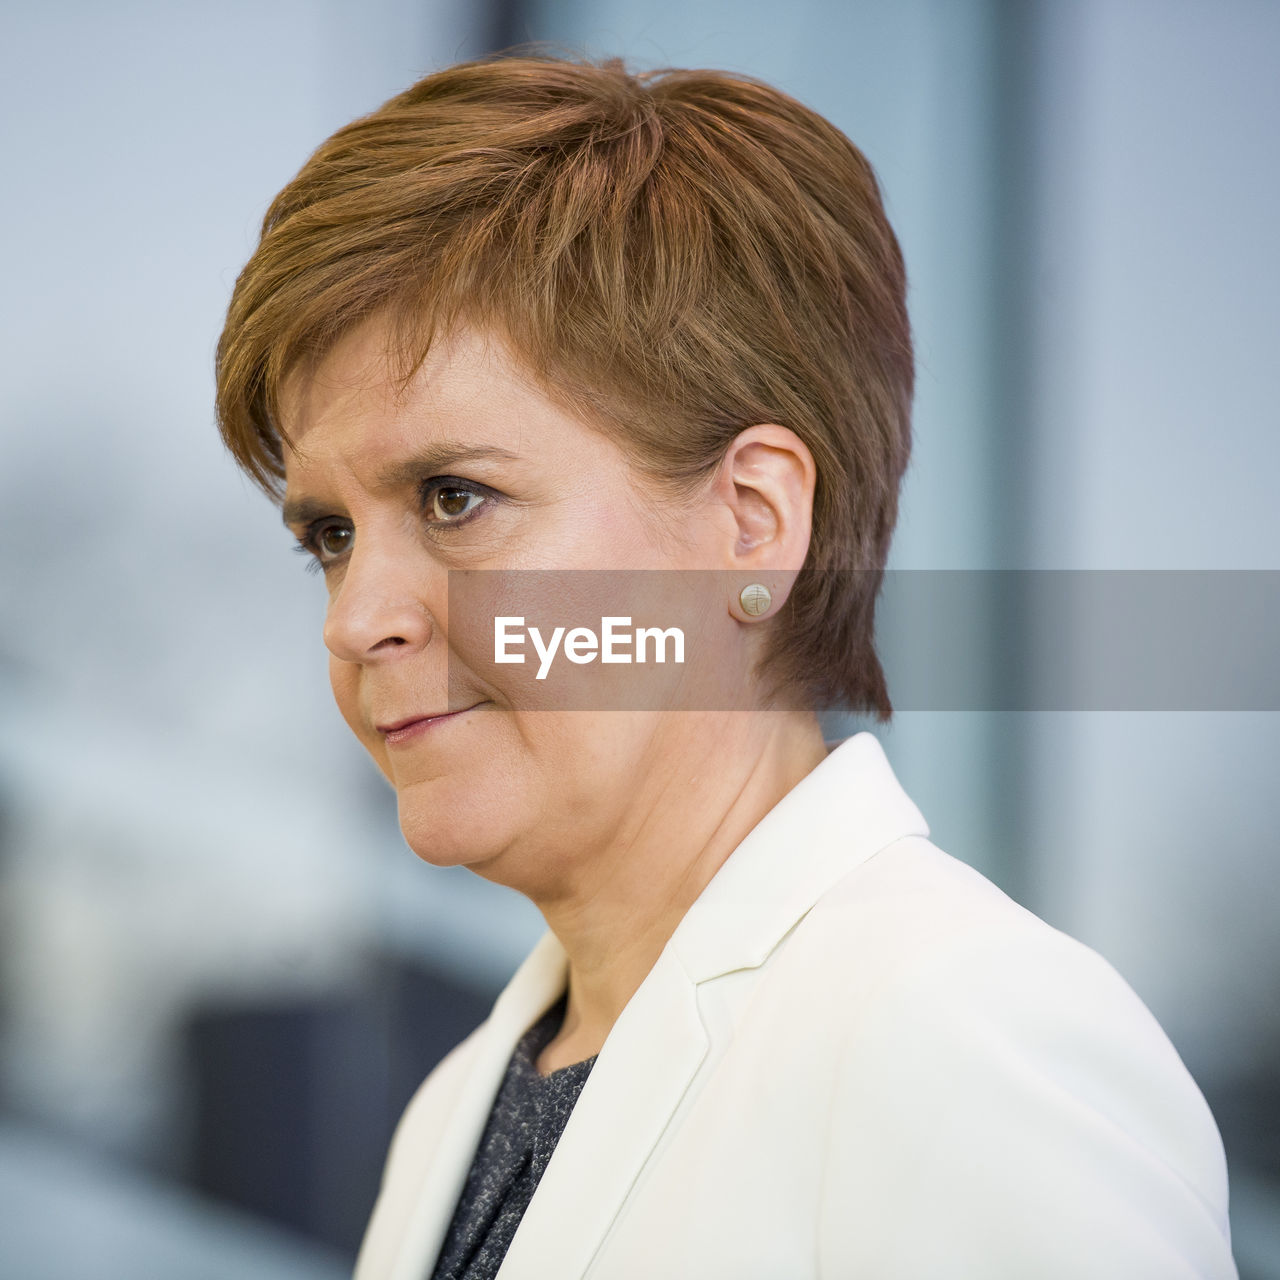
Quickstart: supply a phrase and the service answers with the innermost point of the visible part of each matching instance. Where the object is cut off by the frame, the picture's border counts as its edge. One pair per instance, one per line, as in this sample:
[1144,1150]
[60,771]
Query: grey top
[528,1116]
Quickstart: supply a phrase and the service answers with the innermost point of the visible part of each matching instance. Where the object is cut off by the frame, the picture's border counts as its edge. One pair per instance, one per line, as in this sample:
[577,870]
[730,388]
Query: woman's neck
[641,886]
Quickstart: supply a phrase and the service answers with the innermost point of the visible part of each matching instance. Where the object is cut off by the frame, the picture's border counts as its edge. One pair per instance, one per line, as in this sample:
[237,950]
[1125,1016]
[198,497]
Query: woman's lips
[408,730]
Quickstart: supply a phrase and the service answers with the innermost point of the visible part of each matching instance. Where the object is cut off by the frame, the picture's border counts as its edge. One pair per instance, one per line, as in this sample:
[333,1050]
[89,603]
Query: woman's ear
[766,482]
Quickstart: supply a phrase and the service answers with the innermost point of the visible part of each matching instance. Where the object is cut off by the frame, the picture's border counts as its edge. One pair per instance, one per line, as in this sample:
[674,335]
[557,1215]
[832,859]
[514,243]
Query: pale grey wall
[1157,446]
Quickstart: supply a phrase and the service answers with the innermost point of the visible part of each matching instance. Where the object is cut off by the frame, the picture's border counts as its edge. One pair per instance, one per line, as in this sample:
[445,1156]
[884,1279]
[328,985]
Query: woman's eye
[450,502]
[322,545]
[332,541]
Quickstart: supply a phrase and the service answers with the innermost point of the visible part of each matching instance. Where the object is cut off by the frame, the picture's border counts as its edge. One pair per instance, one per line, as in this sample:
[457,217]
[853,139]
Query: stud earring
[755,599]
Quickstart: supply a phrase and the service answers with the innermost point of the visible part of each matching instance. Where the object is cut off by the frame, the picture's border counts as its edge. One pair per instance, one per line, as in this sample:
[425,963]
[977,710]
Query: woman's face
[472,468]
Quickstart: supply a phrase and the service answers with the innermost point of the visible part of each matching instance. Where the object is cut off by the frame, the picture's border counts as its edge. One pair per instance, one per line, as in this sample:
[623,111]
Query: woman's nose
[378,609]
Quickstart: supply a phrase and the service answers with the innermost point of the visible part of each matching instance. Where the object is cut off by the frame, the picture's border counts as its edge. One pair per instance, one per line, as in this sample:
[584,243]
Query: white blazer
[855,1059]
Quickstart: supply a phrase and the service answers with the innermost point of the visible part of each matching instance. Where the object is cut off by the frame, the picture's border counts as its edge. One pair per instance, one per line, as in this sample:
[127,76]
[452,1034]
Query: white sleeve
[1014,1111]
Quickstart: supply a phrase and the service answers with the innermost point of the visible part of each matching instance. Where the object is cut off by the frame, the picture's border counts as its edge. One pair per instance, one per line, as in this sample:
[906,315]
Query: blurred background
[222,971]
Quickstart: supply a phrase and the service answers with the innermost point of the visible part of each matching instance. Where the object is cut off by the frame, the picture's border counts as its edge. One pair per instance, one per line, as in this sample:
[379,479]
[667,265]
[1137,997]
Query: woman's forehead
[363,372]
[468,402]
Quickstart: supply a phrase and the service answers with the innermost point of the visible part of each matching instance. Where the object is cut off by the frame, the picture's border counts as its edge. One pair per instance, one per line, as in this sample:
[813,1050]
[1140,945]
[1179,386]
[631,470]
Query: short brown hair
[675,254]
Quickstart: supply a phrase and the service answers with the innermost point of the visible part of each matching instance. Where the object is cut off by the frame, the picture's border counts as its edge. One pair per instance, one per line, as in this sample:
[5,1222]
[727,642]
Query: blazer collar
[846,809]
[841,813]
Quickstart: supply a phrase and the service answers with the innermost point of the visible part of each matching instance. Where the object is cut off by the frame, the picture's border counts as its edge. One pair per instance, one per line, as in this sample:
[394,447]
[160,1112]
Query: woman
[536,316]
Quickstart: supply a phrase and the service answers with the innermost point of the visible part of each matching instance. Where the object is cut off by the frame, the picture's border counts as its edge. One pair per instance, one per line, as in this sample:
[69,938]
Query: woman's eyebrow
[439,456]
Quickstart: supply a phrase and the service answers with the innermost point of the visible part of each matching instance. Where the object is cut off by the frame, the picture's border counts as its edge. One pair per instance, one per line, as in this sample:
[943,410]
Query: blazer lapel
[534,987]
[645,1066]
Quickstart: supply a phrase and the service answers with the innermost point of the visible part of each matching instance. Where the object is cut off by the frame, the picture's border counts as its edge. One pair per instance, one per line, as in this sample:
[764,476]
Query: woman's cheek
[344,680]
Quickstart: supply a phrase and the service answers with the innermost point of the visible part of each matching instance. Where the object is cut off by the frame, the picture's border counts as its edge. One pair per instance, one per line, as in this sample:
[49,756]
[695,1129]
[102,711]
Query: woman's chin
[450,835]
[438,853]
[446,849]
